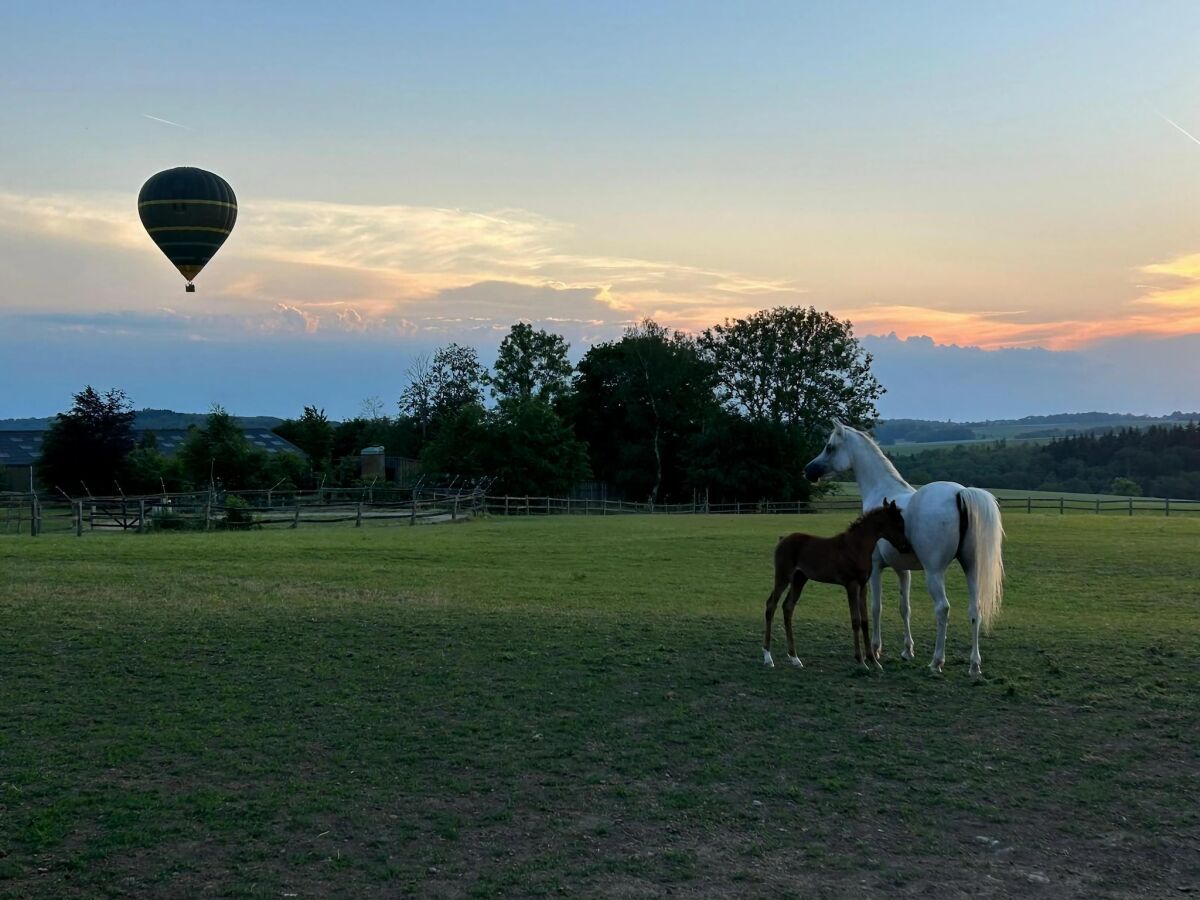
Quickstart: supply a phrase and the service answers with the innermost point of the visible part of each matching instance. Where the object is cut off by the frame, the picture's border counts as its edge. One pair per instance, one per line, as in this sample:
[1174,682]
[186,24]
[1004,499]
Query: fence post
[33,516]
[506,504]
[141,517]
[1131,506]
[296,517]
[412,518]
[358,514]
[454,510]
[1097,506]
[78,518]
[208,513]
[91,516]
[1167,506]
[1029,504]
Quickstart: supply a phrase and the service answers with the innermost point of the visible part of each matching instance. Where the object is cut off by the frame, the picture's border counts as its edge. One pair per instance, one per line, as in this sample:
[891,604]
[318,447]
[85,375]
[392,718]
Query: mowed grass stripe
[577,704]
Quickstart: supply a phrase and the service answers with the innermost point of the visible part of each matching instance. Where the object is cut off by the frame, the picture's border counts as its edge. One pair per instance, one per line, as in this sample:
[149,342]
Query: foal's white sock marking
[767,660]
[795,661]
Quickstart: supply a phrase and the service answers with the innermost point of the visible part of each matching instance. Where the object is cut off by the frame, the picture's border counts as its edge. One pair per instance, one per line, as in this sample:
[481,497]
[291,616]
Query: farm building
[19,451]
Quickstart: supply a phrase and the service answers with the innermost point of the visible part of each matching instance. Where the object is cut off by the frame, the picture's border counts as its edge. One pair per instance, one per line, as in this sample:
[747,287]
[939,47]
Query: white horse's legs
[876,605]
[936,582]
[905,579]
[973,615]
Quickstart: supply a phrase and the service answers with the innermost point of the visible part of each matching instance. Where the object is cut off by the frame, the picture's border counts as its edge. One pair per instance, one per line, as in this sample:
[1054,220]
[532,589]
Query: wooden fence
[205,511]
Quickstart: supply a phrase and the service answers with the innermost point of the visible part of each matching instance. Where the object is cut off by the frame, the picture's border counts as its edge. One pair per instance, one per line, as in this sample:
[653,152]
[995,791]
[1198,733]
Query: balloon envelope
[188,213]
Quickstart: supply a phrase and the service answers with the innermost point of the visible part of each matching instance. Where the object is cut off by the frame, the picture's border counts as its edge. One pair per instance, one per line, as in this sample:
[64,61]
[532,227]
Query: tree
[462,444]
[531,364]
[218,454]
[440,387]
[534,450]
[416,400]
[313,433]
[794,365]
[639,401]
[1125,487]
[458,379]
[148,471]
[85,448]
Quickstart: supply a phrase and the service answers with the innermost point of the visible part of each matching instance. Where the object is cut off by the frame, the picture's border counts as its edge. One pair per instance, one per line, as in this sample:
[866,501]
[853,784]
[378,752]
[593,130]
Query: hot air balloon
[188,212]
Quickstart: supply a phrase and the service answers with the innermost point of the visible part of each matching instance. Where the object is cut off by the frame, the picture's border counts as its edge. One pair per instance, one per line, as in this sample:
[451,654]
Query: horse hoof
[767,660]
[935,667]
[795,661]
[878,666]
[908,654]
[976,671]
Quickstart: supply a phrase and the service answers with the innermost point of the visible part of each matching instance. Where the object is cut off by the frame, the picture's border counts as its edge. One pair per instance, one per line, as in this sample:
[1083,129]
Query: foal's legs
[853,595]
[866,628]
[936,582]
[772,602]
[789,607]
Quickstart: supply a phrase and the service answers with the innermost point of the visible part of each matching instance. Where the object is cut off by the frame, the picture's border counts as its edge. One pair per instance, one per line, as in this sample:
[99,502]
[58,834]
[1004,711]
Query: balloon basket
[191,288]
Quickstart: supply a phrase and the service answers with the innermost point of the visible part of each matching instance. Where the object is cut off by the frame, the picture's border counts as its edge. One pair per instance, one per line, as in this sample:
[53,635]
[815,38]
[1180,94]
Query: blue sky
[992,175]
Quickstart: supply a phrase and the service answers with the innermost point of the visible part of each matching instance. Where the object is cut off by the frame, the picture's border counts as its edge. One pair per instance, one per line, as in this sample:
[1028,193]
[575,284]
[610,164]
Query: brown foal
[843,559]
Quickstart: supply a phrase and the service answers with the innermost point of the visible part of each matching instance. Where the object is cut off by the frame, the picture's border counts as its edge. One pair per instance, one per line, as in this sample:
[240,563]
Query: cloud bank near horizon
[400,271]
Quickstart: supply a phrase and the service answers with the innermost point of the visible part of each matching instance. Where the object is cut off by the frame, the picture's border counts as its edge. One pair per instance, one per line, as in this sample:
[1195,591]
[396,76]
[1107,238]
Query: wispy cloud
[165,121]
[386,262]
[335,268]
[1168,305]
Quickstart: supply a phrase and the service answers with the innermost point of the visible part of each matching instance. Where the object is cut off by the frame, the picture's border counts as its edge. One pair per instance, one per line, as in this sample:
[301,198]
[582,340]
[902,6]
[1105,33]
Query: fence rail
[34,515]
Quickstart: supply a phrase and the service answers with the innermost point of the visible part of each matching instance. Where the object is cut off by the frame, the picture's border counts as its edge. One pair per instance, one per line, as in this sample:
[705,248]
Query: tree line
[1159,461]
[731,413]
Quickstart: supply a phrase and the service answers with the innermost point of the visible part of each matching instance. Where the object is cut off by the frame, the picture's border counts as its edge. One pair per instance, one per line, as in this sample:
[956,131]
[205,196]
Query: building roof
[22,448]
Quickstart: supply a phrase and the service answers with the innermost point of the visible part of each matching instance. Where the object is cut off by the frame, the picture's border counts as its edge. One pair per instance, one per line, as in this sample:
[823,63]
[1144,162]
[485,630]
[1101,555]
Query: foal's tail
[987,565]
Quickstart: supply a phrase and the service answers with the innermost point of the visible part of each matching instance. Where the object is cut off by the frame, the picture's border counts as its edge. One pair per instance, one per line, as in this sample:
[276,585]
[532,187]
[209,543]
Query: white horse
[943,521]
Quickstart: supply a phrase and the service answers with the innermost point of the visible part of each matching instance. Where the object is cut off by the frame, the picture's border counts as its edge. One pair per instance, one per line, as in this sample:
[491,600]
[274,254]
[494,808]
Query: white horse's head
[837,456]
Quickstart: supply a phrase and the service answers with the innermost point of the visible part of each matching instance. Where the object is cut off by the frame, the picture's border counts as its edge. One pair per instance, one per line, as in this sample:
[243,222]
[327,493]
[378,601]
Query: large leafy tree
[535,451]
[531,364]
[314,434]
[793,365]
[439,387]
[85,448]
[639,402]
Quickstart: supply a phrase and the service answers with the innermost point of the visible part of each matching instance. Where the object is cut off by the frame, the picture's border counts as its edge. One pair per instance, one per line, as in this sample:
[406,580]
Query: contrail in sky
[1180,129]
[185,128]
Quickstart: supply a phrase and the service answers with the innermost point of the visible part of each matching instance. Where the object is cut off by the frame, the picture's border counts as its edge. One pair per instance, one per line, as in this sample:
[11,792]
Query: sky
[1004,199]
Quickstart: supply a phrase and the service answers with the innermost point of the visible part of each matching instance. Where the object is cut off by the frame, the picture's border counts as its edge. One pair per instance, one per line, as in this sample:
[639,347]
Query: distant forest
[1158,461]
[148,420]
[925,431]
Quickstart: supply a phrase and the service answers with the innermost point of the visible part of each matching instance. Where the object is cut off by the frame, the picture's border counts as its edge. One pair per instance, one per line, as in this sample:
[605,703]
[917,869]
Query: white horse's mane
[884,463]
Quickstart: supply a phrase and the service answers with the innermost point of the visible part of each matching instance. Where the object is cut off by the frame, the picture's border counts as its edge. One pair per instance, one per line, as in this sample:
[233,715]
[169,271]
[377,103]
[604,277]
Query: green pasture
[576,705]
[1141,504]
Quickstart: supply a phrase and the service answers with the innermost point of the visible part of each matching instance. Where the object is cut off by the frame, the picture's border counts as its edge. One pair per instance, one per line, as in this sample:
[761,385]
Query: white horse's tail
[987,564]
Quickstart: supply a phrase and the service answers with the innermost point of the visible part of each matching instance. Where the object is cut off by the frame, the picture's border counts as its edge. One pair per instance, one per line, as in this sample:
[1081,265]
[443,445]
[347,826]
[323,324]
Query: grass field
[576,705]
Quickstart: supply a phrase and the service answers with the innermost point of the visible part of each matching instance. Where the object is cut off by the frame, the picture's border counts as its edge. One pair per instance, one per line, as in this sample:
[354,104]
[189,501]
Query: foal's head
[887,522]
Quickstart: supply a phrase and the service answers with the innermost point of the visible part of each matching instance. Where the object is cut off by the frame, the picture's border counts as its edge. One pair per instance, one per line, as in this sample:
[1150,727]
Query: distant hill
[151,419]
[900,432]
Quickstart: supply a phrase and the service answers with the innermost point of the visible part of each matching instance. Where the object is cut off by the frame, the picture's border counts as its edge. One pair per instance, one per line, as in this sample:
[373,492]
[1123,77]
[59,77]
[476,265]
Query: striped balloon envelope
[188,213]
